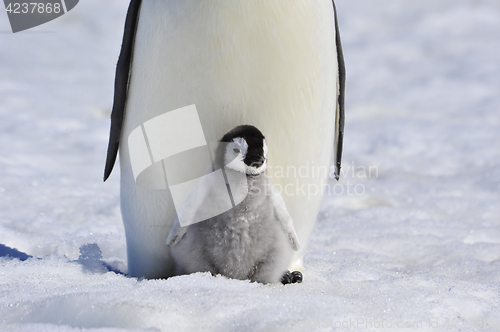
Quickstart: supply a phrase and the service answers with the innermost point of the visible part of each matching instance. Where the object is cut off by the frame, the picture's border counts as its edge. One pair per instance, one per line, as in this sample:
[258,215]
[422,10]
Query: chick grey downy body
[255,239]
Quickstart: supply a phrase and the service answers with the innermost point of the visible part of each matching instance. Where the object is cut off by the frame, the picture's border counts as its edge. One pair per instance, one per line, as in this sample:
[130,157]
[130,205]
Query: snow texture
[410,236]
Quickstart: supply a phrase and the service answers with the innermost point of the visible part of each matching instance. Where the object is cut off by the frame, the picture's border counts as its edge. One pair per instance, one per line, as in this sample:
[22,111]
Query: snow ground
[418,242]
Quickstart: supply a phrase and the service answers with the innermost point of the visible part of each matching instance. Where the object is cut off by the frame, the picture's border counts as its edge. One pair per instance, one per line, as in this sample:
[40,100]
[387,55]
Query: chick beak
[256,161]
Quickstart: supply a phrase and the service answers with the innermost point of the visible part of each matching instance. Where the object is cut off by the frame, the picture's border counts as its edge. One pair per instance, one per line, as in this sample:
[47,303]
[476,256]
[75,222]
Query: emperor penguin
[253,240]
[277,65]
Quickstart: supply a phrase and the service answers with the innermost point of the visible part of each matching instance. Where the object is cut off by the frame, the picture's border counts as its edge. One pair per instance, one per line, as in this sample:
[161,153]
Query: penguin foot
[291,277]
[286,278]
[296,277]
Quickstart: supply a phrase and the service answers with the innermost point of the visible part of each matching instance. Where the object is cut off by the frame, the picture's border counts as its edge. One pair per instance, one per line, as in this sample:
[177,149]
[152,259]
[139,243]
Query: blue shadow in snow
[12,253]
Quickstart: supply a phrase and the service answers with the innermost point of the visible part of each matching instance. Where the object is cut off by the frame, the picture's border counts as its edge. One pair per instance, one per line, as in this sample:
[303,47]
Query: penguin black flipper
[339,118]
[121,84]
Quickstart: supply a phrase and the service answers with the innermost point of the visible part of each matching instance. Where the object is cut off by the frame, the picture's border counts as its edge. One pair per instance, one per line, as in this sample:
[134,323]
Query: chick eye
[236,150]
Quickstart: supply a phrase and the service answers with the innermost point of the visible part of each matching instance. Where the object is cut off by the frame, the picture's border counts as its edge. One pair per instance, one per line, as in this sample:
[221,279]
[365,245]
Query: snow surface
[418,242]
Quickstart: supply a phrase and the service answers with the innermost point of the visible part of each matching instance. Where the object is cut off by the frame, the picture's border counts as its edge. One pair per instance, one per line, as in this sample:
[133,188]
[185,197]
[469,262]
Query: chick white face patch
[170,152]
[235,155]
[236,152]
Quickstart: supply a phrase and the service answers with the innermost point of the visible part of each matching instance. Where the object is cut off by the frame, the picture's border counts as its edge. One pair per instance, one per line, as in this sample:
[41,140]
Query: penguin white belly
[271,64]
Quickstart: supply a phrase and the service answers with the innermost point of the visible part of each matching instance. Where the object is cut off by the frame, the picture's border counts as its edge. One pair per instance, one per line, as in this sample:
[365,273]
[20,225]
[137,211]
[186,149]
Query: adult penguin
[276,65]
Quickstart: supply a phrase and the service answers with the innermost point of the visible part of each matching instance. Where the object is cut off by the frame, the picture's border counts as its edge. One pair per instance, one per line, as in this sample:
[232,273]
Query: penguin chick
[253,240]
